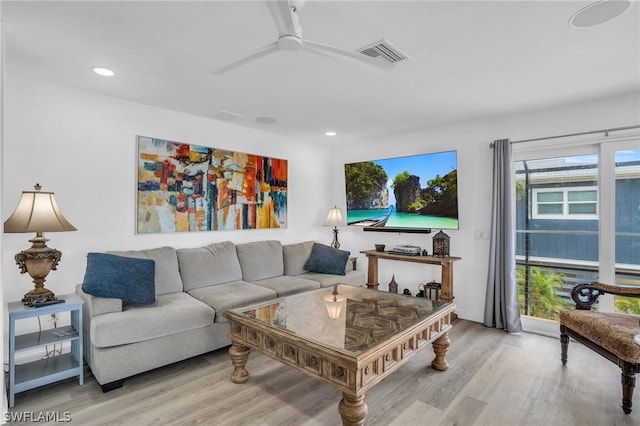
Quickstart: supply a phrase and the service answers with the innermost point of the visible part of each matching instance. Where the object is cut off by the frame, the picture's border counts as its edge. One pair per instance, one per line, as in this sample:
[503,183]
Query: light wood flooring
[494,379]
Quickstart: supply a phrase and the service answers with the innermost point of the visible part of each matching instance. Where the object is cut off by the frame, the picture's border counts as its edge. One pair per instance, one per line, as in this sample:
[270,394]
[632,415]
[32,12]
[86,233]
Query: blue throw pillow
[126,278]
[327,260]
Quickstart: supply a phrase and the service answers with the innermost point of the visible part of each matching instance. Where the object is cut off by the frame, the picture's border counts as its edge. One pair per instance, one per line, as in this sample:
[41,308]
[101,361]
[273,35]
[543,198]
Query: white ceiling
[467,59]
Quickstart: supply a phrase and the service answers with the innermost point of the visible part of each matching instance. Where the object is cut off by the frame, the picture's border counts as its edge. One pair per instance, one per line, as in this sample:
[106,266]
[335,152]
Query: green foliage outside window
[628,305]
[544,284]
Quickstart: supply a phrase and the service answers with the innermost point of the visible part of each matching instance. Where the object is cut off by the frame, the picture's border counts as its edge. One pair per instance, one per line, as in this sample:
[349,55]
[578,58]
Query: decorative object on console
[379,247]
[405,249]
[38,212]
[441,244]
[429,290]
[393,285]
[334,302]
[190,188]
[335,219]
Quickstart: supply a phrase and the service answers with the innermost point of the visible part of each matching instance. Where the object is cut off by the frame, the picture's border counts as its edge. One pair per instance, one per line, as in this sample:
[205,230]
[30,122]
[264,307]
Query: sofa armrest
[98,305]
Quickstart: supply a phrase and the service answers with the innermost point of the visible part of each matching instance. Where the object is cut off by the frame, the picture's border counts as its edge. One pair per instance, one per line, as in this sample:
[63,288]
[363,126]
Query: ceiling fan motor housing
[290,43]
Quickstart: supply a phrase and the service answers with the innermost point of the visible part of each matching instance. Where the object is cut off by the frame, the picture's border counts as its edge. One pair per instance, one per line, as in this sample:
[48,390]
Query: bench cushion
[172,313]
[295,257]
[285,285]
[232,295]
[326,280]
[260,260]
[611,331]
[210,265]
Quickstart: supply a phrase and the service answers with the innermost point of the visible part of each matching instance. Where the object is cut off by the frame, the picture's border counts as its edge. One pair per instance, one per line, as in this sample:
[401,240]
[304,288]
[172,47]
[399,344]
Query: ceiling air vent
[385,50]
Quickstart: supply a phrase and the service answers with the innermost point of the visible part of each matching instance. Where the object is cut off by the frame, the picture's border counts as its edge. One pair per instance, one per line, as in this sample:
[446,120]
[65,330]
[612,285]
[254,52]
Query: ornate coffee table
[349,337]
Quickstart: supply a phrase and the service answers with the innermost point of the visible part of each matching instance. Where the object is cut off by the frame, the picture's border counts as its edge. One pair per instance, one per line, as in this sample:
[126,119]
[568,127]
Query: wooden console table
[446,263]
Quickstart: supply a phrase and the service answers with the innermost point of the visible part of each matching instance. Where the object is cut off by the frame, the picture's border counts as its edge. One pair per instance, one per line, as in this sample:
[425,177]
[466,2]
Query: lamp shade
[37,212]
[334,218]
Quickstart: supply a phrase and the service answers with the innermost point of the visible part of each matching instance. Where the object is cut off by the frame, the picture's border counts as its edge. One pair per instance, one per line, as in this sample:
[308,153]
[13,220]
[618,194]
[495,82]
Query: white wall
[82,146]
[471,140]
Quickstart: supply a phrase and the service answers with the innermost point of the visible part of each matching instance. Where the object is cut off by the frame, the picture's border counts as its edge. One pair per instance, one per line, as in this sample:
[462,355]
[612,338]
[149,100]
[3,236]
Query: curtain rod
[605,131]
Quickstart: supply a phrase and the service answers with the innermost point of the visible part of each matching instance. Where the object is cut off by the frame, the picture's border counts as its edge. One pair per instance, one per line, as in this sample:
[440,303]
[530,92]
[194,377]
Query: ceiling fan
[285,16]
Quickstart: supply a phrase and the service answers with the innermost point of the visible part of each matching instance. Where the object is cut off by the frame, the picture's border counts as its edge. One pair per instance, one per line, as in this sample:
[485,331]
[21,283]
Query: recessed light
[598,13]
[330,133]
[106,72]
[265,120]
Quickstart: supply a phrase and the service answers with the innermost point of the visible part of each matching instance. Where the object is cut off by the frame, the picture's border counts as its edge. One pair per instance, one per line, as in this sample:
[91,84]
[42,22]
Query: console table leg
[372,273]
[239,355]
[353,410]
[440,347]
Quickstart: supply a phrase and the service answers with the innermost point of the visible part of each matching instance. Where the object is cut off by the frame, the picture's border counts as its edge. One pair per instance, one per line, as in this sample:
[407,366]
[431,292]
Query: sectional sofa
[193,287]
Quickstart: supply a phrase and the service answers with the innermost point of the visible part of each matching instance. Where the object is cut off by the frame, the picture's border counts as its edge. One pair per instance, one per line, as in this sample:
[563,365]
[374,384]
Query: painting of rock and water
[418,192]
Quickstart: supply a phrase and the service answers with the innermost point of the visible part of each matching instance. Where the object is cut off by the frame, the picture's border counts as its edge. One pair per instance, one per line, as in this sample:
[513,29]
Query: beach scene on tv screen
[413,192]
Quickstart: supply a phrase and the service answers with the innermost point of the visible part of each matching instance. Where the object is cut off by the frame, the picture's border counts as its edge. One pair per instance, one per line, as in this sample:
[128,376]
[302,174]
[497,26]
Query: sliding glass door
[577,220]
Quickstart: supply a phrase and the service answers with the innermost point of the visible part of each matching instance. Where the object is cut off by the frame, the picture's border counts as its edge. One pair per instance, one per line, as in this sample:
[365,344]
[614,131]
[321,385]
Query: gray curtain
[501,306]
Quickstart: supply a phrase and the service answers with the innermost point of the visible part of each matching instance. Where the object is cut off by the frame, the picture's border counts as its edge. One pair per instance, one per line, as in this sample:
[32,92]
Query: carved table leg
[440,347]
[239,355]
[353,410]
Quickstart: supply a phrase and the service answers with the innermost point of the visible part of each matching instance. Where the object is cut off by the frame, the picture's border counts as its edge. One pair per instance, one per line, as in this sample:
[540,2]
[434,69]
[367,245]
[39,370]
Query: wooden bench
[609,334]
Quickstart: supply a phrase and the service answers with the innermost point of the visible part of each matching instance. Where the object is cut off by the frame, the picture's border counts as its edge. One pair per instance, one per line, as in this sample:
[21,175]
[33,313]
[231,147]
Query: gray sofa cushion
[285,285]
[171,314]
[327,280]
[232,295]
[295,256]
[210,265]
[260,260]
[167,276]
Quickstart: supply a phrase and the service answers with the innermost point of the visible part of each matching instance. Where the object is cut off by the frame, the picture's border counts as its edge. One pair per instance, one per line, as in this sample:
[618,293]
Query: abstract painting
[190,188]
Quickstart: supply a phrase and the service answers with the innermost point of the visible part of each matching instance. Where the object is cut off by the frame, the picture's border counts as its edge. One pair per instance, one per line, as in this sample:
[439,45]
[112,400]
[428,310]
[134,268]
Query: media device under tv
[403,194]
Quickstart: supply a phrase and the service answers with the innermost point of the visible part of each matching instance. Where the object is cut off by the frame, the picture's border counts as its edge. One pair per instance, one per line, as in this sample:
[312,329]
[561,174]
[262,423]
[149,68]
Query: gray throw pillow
[327,260]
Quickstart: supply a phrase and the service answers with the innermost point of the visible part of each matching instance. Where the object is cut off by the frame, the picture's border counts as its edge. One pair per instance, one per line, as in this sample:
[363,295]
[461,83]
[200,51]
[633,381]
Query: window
[577,220]
[566,203]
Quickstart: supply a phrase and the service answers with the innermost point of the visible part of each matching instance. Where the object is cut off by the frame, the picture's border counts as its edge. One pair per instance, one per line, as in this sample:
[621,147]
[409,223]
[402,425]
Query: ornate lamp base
[37,261]
[335,243]
[38,296]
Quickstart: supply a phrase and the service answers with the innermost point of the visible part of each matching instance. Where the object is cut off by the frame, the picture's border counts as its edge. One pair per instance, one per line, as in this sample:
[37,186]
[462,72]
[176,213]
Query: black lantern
[441,244]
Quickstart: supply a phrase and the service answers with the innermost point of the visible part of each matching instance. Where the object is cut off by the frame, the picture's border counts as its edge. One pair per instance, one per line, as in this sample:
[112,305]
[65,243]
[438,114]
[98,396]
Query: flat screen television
[403,194]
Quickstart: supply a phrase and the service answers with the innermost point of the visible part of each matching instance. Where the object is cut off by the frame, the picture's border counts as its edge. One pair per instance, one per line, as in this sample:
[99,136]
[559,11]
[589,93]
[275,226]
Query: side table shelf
[47,370]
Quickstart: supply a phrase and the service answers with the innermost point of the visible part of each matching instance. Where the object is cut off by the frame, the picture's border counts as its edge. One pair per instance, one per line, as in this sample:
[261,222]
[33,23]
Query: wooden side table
[446,263]
[48,370]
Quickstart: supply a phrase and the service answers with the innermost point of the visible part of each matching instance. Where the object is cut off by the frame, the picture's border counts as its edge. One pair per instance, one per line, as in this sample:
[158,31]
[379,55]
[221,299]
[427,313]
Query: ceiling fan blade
[285,19]
[263,51]
[377,63]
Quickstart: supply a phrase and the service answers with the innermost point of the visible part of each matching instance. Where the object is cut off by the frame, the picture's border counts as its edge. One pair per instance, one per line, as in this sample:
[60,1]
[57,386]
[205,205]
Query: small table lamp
[335,219]
[37,212]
